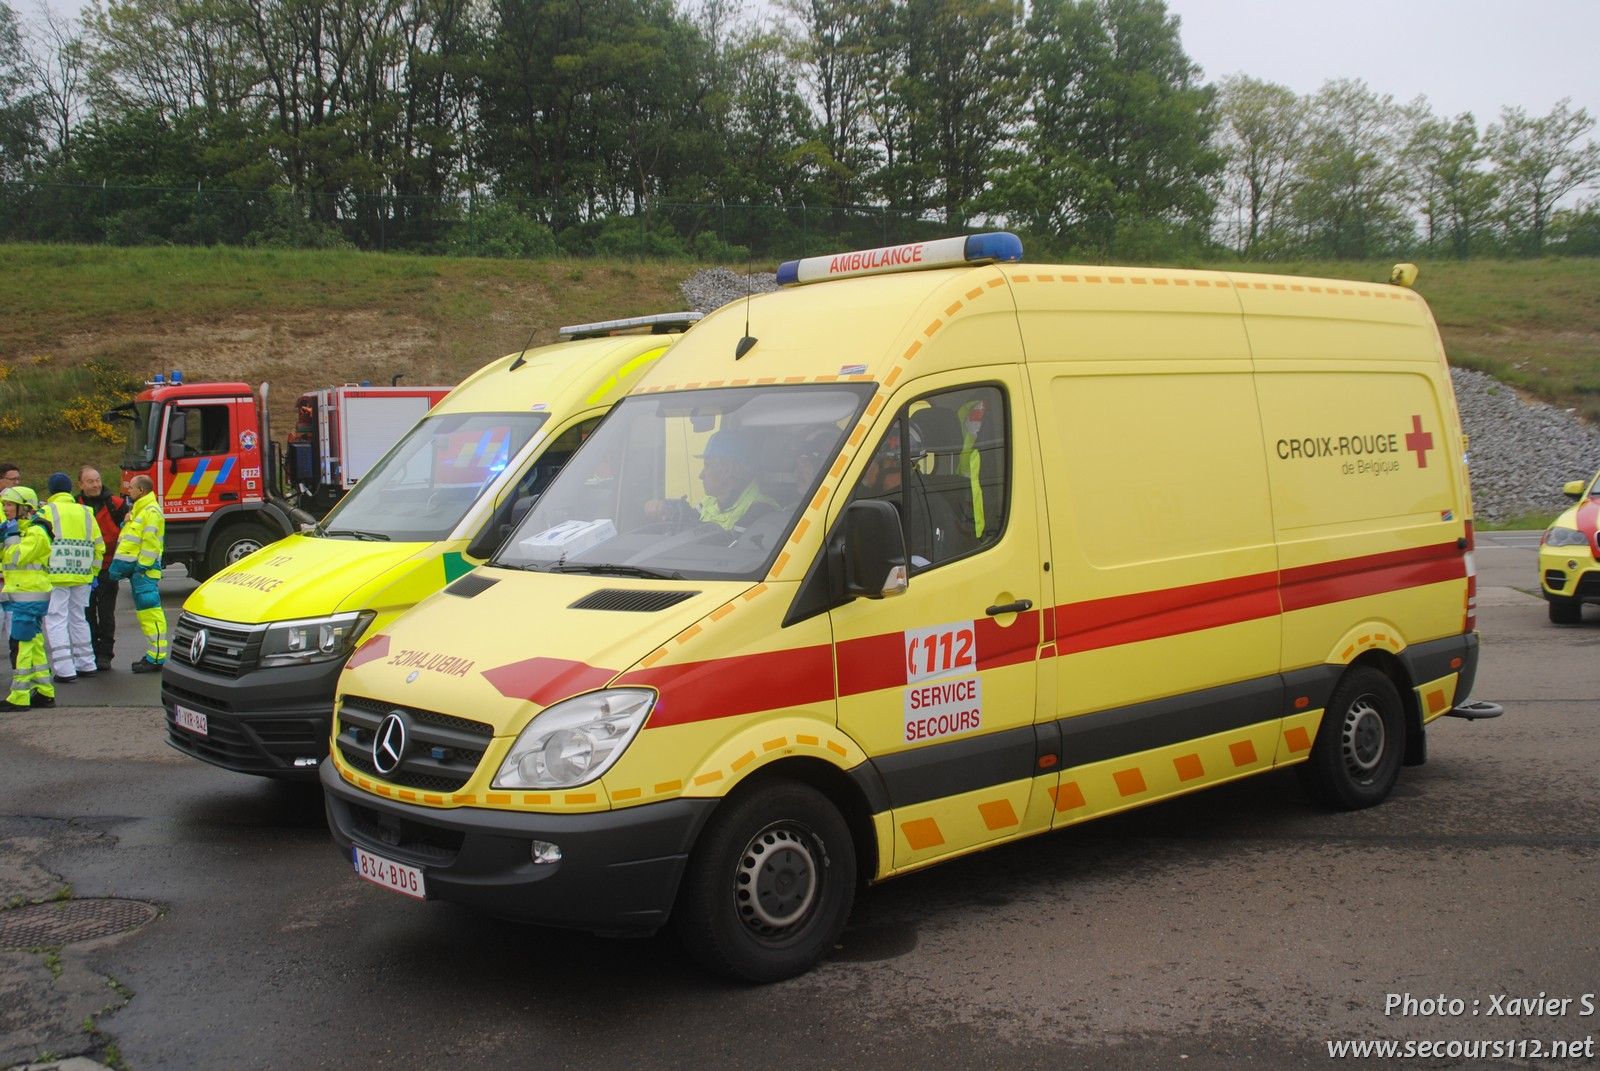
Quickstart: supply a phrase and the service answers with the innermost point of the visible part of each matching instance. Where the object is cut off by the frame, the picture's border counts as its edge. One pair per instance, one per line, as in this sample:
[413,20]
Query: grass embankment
[80,320]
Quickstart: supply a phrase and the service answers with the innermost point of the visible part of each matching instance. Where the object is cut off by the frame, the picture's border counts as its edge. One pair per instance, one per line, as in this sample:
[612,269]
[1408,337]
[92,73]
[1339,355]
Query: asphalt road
[1237,926]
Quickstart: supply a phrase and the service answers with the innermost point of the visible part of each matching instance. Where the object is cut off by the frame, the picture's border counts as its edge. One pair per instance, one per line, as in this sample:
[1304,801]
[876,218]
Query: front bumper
[1568,574]
[619,870]
[260,722]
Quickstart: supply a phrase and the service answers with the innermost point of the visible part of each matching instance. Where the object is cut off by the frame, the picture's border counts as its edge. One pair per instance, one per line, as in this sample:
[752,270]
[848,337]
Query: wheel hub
[1363,737]
[242,549]
[776,880]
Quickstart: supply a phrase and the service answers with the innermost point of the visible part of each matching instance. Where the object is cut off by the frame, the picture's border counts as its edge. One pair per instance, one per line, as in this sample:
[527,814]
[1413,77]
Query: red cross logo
[1419,441]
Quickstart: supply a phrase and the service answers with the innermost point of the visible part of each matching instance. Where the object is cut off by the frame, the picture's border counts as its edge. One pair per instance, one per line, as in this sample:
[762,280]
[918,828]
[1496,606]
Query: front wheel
[235,542]
[769,885]
[1356,758]
[1565,611]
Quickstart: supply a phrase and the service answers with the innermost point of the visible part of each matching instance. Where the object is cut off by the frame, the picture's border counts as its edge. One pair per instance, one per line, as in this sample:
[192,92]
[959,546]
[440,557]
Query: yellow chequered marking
[998,814]
[922,834]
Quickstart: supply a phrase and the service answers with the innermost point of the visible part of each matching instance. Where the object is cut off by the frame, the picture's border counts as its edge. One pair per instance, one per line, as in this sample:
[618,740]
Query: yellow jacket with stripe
[25,562]
[144,535]
[77,546]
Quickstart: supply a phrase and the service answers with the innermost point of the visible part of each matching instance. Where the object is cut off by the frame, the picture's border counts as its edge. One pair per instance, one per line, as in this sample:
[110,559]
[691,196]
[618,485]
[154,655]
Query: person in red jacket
[109,512]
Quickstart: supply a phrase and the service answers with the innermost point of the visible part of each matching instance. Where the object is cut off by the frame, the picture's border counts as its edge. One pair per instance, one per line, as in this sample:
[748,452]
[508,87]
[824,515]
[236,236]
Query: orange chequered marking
[1180,282]
[654,656]
[1129,782]
[952,310]
[800,531]
[707,778]
[1160,282]
[837,749]
[996,282]
[722,611]
[536,800]
[1364,640]
[753,592]
[669,786]
[744,760]
[875,405]
[575,798]
[1189,767]
[407,795]
[1068,796]
[923,833]
[975,293]
[911,351]
[463,797]
[778,566]
[498,799]
[1348,652]
[1045,278]
[1139,281]
[892,378]
[1298,739]
[1020,279]
[998,814]
[933,328]
[774,745]
[809,741]
[690,633]
[1115,280]
[384,790]
[437,801]
[1243,752]
[1435,700]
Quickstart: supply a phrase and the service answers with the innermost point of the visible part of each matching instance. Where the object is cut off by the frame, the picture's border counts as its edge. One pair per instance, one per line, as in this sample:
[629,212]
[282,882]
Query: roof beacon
[659,324]
[938,253]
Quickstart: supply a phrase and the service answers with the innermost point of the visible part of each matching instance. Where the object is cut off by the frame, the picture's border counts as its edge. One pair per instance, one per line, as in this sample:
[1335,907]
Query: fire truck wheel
[1356,758]
[237,541]
[769,885]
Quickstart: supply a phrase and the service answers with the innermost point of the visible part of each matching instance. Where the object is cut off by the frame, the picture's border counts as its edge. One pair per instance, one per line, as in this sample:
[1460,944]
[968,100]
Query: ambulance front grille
[442,751]
[229,650]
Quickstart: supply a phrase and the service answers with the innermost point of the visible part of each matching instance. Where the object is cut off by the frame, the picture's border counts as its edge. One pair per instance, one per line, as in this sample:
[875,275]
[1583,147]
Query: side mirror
[1574,488]
[177,427]
[873,551]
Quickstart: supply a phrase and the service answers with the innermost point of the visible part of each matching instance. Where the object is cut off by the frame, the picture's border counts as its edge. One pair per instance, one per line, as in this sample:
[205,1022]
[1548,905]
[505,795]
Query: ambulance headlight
[314,639]
[1565,537]
[575,741]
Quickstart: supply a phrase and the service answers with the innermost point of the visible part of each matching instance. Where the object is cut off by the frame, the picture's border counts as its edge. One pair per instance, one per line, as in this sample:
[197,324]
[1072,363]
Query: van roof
[865,328]
[565,377]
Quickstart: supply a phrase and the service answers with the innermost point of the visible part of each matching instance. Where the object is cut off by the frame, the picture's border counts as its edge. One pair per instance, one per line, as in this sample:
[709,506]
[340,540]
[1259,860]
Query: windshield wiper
[604,569]
[354,533]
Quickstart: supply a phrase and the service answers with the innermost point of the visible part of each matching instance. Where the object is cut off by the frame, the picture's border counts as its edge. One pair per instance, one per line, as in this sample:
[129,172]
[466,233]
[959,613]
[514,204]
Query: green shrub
[500,230]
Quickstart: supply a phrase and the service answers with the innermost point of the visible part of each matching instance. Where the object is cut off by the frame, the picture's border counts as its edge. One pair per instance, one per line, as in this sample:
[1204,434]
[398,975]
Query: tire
[237,541]
[1360,745]
[769,884]
[1565,612]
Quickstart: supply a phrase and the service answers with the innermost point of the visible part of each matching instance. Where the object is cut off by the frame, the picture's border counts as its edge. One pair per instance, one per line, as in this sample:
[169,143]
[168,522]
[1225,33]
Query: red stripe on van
[743,684]
[870,663]
[374,649]
[546,680]
[1149,615]
[1371,574]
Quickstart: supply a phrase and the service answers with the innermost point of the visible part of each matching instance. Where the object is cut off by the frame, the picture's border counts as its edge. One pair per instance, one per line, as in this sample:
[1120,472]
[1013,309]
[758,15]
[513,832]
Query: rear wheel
[1565,611]
[235,542]
[1356,758]
[769,885]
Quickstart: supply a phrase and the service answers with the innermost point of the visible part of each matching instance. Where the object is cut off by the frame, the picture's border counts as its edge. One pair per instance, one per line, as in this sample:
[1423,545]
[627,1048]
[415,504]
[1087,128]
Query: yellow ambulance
[1569,574]
[927,551]
[255,654]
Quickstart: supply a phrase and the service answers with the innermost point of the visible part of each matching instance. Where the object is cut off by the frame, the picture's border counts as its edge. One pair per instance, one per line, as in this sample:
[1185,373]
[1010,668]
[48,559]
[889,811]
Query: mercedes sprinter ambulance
[255,654]
[971,550]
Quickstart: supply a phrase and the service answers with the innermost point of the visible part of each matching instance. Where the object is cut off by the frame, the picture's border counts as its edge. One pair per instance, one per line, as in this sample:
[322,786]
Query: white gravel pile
[1520,452]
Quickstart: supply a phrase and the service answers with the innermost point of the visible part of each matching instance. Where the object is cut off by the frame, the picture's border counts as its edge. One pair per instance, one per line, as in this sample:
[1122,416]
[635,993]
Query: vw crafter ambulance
[255,654]
[926,552]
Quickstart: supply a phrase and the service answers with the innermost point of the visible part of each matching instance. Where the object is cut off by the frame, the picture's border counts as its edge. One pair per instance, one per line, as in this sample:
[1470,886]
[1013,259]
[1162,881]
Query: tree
[1350,193]
[19,105]
[1455,194]
[58,65]
[1541,161]
[1118,140]
[833,52]
[1261,126]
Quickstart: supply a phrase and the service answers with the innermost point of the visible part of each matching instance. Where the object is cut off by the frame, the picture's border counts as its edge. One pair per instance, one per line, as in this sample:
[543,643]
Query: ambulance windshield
[423,487]
[703,484]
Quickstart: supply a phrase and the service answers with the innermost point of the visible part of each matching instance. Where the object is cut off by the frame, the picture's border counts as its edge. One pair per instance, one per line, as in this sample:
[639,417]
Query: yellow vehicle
[1569,574]
[255,655]
[965,550]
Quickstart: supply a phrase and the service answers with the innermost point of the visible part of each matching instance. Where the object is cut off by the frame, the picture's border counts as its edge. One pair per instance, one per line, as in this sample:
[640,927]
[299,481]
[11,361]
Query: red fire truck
[226,488]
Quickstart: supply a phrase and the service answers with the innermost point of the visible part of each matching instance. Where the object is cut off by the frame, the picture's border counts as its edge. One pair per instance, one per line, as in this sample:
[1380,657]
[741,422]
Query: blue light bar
[177,377]
[939,253]
[659,324]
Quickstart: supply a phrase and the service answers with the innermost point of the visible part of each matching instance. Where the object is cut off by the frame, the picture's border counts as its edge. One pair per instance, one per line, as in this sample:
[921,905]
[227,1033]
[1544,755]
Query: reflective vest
[77,546]
[712,511]
[144,535]
[25,560]
[971,416]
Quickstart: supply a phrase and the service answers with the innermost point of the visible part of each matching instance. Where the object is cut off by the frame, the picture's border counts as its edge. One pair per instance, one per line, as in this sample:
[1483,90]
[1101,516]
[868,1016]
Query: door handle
[1010,607]
[229,496]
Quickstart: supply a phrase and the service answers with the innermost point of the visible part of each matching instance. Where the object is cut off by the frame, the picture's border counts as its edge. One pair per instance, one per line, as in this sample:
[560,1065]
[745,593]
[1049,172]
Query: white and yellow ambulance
[256,653]
[928,551]
[1569,554]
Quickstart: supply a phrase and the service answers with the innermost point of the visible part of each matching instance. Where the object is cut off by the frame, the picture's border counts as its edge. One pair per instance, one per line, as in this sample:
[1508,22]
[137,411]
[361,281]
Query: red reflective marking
[546,680]
[1148,615]
[1372,574]
[743,684]
[374,649]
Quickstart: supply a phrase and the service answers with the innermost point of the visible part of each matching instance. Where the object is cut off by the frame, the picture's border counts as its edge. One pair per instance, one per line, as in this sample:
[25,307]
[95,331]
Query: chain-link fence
[106,213]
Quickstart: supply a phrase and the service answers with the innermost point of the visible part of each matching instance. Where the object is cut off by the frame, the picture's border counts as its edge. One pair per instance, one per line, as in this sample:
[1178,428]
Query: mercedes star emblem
[411,678]
[197,647]
[389,745]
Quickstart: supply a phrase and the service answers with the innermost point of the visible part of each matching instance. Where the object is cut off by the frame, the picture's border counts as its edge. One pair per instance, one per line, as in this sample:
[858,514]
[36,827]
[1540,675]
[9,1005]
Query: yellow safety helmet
[22,496]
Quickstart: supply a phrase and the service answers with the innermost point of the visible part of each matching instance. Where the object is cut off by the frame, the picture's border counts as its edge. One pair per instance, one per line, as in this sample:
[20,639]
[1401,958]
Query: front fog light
[545,852]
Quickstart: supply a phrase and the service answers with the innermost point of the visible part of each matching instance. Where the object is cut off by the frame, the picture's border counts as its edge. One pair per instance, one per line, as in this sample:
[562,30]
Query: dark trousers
[102,615]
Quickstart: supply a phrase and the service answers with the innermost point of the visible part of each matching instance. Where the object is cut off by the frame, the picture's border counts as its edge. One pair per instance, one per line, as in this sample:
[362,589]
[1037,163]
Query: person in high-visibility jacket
[75,555]
[25,560]
[138,558]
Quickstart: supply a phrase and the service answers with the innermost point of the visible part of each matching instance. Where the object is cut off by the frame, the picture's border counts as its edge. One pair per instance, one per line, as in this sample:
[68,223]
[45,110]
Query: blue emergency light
[177,378]
[985,248]
[158,380]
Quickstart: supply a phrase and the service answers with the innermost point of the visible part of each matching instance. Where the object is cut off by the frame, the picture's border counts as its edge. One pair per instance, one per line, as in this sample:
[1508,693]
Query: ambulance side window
[205,429]
[943,463]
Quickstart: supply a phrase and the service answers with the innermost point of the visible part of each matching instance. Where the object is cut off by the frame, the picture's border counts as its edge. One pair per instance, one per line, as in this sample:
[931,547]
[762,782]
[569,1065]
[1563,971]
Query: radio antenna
[747,343]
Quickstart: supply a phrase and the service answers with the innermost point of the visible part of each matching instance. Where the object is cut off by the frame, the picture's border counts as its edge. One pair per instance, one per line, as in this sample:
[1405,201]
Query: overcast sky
[1463,55]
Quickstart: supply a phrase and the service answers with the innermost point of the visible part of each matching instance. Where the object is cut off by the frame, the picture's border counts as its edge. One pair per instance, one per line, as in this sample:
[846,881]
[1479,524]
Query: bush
[287,226]
[500,230]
